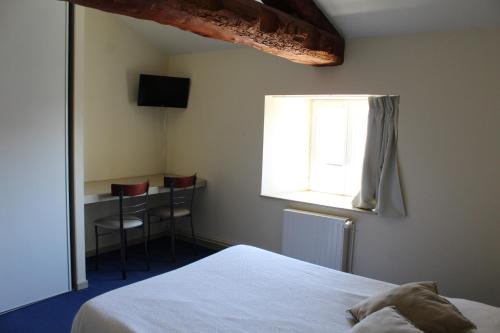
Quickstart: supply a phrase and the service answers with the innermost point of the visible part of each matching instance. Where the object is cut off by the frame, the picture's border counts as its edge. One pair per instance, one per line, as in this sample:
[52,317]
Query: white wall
[121,139]
[448,145]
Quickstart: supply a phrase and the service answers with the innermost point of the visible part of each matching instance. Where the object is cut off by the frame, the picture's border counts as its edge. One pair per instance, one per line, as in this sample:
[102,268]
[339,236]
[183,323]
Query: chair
[181,200]
[131,215]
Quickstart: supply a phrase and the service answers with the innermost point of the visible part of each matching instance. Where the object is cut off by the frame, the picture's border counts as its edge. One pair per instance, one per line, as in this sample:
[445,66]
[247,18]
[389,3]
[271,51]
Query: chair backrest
[182,191]
[140,193]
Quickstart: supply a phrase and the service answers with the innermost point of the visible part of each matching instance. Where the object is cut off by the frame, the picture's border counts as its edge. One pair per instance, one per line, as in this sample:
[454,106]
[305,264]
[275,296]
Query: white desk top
[99,191]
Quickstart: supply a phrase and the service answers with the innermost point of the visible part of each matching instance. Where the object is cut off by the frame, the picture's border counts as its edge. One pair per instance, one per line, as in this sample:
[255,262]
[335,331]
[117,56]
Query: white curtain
[380,185]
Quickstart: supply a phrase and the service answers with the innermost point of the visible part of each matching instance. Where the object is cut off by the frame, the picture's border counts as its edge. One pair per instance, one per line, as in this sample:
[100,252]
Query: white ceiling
[363,18]
[354,18]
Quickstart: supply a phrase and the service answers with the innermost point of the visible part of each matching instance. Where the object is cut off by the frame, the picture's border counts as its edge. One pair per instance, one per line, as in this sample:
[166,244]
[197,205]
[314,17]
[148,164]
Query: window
[313,148]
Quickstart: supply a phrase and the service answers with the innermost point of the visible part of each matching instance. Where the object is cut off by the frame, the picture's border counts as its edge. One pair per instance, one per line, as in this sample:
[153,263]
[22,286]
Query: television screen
[164,91]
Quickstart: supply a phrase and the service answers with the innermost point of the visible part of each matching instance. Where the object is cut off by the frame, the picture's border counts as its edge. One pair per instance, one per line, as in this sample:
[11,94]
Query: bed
[244,289]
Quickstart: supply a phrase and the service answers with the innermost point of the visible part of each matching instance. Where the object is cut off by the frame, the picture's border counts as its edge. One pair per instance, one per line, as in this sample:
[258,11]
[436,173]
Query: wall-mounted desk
[99,191]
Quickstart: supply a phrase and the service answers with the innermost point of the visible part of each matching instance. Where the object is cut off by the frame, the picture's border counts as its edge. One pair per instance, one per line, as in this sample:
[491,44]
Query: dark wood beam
[306,10]
[245,22]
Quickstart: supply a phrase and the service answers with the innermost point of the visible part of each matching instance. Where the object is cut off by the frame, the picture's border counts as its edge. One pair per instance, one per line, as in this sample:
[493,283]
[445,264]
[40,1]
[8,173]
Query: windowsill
[321,199]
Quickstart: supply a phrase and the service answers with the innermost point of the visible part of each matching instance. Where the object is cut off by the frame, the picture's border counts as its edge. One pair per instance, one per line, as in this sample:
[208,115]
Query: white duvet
[244,289]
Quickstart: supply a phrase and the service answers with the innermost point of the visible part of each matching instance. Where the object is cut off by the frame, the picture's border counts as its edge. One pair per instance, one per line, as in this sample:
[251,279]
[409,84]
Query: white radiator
[320,239]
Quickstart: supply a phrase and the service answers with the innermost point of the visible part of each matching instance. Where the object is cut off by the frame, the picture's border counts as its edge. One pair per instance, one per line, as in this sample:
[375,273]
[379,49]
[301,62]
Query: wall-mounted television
[163,91]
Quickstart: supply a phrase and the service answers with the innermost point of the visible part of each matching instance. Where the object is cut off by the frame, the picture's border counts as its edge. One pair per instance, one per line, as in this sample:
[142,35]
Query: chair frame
[123,192]
[176,184]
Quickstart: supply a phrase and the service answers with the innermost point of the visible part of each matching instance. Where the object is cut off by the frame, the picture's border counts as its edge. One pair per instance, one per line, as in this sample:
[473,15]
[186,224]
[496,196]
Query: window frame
[308,194]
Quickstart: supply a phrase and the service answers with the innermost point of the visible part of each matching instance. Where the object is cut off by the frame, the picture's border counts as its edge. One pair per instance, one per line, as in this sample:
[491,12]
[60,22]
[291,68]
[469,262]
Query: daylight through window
[314,147]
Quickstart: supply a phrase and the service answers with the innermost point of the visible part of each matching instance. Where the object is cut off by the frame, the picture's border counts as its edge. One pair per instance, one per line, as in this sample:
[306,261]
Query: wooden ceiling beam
[307,10]
[245,22]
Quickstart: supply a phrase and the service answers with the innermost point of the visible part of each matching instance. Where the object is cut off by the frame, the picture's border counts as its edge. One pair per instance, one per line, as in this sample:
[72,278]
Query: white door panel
[34,251]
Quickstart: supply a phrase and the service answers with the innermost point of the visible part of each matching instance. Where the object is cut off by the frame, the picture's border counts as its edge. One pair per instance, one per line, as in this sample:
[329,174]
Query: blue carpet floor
[56,314]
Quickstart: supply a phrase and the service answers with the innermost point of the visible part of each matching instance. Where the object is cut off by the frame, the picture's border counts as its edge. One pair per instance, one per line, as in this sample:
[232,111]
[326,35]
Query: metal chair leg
[195,245]
[146,250]
[172,238]
[96,248]
[149,228]
[126,245]
[122,252]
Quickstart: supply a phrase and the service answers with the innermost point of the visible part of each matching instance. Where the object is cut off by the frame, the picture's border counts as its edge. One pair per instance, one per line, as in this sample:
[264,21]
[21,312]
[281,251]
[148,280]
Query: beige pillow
[387,320]
[419,303]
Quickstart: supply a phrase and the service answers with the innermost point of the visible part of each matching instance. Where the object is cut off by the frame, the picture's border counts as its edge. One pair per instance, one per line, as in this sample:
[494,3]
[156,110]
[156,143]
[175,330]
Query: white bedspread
[244,289]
